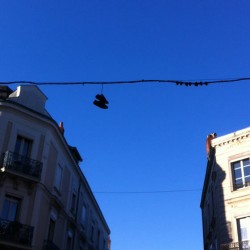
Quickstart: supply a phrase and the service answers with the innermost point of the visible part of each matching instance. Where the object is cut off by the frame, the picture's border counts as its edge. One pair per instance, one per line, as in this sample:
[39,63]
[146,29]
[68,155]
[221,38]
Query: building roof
[31,97]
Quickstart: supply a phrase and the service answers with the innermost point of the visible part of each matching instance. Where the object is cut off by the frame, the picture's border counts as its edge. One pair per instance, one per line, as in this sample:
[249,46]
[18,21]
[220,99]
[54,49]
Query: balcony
[241,245]
[16,232]
[21,164]
[49,245]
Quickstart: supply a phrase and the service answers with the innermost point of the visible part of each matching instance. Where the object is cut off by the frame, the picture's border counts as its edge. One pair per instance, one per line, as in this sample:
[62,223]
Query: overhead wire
[146,192]
[149,192]
[177,82]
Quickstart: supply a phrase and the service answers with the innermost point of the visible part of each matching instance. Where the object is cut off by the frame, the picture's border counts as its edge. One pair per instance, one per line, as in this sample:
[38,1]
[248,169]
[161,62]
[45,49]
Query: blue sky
[152,137]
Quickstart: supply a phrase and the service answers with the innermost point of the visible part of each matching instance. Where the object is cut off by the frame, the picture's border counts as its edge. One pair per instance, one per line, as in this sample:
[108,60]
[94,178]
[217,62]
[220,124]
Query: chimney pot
[61,128]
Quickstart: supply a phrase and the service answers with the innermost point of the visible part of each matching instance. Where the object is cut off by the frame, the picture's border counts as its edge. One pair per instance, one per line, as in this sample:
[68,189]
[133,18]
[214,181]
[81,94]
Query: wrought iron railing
[241,245]
[21,164]
[16,232]
[49,245]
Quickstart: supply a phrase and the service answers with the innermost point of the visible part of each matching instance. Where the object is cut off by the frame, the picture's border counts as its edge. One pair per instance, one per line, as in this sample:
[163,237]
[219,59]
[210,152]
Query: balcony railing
[16,232]
[241,245]
[49,245]
[21,164]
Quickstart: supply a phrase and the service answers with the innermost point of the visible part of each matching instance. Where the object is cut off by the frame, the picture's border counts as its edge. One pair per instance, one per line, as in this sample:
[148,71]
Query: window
[58,177]
[92,233]
[69,240]
[23,146]
[216,244]
[52,225]
[244,231]
[104,244]
[241,173]
[10,208]
[73,202]
[98,239]
[84,215]
[211,247]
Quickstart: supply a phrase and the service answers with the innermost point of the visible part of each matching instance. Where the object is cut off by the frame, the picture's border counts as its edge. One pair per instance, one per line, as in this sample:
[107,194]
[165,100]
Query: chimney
[208,143]
[61,127]
[109,243]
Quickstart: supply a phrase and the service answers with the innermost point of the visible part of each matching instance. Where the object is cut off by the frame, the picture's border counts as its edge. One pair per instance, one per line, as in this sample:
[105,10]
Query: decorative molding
[233,141]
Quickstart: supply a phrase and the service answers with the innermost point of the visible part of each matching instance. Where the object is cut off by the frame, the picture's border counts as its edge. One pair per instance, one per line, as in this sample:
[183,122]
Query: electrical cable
[177,82]
[149,192]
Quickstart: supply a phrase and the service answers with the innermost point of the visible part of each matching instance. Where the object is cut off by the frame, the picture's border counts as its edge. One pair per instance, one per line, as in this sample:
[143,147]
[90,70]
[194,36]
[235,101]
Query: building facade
[225,201]
[45,200]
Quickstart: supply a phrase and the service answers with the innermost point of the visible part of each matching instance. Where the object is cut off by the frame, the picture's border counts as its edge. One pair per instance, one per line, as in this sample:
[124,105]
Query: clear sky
[144,157]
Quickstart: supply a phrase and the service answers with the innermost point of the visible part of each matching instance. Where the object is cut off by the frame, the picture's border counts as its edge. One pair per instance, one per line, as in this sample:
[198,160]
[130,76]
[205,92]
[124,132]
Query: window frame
[244,183]
[92,232]
[23,146]
[11,201]
[239,227]
[98,238]
[51,229]
[58,177]
[73,202]
[69,239]
[84,215]
[52,225]
[104,243]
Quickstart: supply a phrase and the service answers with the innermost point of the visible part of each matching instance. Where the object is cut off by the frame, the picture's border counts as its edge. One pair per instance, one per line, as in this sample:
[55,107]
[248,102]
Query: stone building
[225,201]
[45,200]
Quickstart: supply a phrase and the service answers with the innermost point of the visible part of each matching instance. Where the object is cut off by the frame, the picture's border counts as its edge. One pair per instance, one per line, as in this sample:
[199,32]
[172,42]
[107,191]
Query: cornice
[232,140]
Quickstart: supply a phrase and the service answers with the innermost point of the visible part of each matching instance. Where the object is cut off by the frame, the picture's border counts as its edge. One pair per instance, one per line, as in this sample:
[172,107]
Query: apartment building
[225,201]
[46,202]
